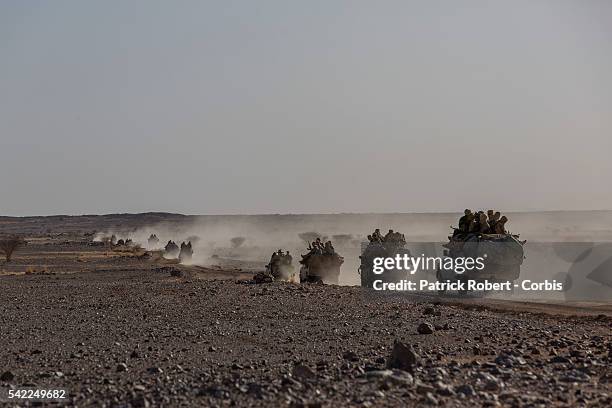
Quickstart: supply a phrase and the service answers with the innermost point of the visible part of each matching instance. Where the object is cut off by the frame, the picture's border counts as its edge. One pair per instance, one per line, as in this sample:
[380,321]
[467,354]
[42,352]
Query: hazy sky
[313,106]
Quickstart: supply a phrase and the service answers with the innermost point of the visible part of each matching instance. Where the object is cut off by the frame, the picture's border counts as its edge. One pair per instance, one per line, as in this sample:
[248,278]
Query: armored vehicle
[280,266]
[380,249]
[171,249]
[320,268]
[186,252]
[502,256]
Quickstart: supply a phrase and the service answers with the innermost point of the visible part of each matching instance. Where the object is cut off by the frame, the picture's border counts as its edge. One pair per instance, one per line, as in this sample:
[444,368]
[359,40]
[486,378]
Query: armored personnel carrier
[153,241]
[171,250]
[381,249]
[503,256]
[280,267]
[320,268]
[186,252]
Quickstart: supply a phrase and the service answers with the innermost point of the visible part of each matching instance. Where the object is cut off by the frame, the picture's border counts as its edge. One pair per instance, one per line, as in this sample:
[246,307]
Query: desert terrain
[125,327]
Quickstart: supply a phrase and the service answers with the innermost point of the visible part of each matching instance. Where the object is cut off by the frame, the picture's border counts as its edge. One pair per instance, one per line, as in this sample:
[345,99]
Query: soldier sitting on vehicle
[483,224]
[329,249]
[466,220]
[493,221]
[377,236]
[500,226]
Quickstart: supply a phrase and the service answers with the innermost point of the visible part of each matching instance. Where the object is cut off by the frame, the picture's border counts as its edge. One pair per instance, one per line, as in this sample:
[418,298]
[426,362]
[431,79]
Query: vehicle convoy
[502,256]
[280,266]
[321,264]
[389,246]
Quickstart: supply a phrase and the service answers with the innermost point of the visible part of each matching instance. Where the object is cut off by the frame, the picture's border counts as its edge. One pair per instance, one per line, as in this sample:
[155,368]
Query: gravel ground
[140,337]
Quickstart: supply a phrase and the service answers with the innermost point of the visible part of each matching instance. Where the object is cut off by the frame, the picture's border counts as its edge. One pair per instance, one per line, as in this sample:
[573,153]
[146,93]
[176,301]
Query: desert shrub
[8,245]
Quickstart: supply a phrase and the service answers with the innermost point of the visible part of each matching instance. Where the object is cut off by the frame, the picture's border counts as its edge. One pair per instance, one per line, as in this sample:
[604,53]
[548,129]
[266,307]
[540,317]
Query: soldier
[329,248]
[500,226]
[490,215]
[482,222]
[493,221]
[288,258]
[389,236]
[474,223]
[377,235]
[466,220]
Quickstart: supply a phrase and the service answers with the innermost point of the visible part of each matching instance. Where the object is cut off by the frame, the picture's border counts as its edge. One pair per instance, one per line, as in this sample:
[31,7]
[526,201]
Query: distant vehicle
[171,250]
[186,252]
[321,268]
[381,249]
[280,267]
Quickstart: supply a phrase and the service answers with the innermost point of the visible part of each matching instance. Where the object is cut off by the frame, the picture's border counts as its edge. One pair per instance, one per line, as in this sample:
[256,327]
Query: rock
[403,357]
[394,376]
[430,399]
[122,367]
[508,360]
[350,356]
[302,372]
[155,370]
[575,376]
[443,389]
[424,389]
[465,389]
[140,402]
[262,277]
[7,376]
[425,328]
[560,360]
[429,310]
[492,385]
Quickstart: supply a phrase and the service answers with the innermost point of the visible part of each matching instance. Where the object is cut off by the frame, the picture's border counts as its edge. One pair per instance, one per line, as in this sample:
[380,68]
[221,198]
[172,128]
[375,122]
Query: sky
[250,107]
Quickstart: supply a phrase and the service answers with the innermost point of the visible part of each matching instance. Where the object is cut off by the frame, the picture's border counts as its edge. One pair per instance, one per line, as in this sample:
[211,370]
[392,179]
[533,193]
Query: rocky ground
[123,329]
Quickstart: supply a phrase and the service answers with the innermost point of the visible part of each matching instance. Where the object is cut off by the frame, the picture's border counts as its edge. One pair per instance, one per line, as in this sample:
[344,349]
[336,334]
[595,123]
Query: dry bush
[9,245]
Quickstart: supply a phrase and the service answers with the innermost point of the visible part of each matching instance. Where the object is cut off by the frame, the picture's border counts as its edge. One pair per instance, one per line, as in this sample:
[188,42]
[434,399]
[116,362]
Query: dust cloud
[248,241]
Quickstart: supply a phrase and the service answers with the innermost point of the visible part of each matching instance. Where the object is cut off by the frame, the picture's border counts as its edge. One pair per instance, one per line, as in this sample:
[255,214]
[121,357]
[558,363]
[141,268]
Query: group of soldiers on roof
[390,237]
[490,223]
[317,247]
